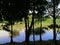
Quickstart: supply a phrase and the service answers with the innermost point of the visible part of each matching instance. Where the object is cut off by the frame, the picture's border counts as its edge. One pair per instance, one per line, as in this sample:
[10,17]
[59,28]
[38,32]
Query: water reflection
[5,38]
[46,36]
[20,37]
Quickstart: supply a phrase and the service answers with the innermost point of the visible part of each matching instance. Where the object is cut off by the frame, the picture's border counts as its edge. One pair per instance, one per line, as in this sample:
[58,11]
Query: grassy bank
[45,23]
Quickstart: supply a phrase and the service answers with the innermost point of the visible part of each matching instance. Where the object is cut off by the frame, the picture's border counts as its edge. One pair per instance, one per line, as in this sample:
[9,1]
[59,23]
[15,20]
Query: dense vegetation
[13,11]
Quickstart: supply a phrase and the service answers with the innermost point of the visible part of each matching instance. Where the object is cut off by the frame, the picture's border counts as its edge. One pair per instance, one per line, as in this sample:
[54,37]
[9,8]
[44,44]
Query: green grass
[45,23]
[58,21]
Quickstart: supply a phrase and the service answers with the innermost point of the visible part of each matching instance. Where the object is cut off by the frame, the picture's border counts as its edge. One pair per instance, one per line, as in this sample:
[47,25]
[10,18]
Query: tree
[13,7]
[40,9]
[54,22]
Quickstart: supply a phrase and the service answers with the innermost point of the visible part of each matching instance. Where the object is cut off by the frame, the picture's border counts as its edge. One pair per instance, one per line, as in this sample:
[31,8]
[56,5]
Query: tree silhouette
[32,22]
[18,9]
[54,22]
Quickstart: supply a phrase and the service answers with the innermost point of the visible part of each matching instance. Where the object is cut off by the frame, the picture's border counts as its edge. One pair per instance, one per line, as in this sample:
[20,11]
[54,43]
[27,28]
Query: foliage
[37,31]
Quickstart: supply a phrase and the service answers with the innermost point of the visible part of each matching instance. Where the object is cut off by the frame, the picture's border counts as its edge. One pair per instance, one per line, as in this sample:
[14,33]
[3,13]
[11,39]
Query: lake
[5,38]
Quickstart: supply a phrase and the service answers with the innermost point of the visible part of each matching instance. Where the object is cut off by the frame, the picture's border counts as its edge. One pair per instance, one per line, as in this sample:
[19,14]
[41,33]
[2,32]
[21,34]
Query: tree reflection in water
[47,35]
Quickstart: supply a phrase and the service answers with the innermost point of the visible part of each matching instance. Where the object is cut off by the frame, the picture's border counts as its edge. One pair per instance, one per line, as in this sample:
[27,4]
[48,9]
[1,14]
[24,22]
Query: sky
[49,0]
[59,5]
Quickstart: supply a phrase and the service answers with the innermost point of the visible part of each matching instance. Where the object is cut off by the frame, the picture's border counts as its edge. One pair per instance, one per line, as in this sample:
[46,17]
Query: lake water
[5,38]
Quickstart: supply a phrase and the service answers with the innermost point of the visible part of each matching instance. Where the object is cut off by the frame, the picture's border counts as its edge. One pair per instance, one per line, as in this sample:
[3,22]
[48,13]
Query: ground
[50,42]
[45,23]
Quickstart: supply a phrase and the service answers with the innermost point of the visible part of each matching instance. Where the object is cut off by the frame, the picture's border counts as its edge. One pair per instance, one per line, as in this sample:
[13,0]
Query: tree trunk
[33,27]
[40,32]
[28,22]
[26,38]
[28,31]
[54,22]
[11,32]
[40,28]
